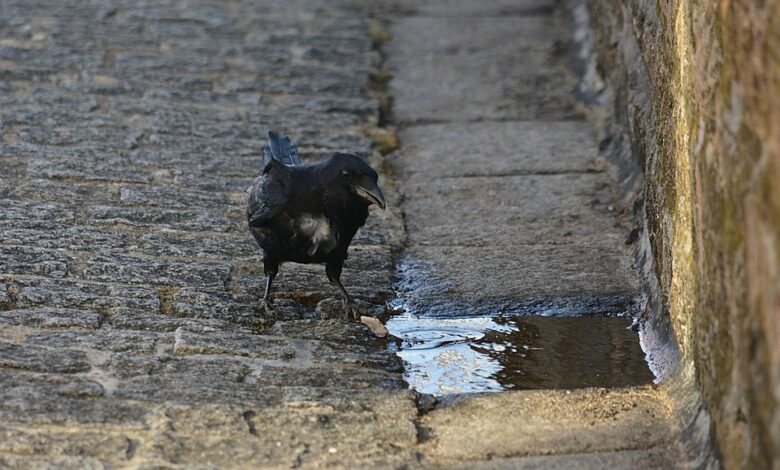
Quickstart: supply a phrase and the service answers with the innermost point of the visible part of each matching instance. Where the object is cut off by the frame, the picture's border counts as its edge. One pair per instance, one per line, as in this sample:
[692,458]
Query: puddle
[462,355]
[452,354]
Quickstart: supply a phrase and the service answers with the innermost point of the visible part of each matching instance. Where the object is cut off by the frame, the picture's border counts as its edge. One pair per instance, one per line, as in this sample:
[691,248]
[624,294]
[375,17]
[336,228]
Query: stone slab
[651,459]
[497,148]
[514,424]
[470,9]
[522,279]
[466,69]
[512,210]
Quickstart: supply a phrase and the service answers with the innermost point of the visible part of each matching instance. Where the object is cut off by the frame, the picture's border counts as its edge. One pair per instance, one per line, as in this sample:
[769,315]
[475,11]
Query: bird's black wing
[281,149]
[268,195]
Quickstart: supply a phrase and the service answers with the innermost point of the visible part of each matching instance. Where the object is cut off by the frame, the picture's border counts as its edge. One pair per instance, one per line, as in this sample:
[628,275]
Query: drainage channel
[505,203]
[462,353]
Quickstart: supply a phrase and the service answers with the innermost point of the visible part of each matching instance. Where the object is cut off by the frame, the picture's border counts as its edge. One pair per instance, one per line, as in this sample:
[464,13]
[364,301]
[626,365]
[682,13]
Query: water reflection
[460,355]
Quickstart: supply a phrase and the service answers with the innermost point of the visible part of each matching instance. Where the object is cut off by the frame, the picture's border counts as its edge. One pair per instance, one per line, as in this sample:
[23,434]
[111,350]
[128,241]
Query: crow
[309,213]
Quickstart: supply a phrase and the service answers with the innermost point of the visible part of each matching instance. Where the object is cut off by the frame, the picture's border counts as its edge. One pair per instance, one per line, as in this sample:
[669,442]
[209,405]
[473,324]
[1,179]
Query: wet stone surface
[516,275]
[464,355]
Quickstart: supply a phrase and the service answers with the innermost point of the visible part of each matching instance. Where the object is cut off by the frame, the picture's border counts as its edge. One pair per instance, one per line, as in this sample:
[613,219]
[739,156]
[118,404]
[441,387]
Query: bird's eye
[346,174]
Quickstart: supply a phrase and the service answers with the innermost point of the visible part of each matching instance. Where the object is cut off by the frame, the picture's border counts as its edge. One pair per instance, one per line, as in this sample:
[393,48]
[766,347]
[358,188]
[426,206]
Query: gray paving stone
[189,380]
[546,422]
[173,197]
[50,317]
[497,149]
[202,220]
[326,437]
[98,445]
[77,294]
[46,191]
[103,340]
[533,209]
[465,8]
[356,355]
[15,212]
[128,366]
[329,330]
[85,166]
[54,462]
[69,238]
[205,340]
[139,319]
[329,377]
[17,382]
[217,304]
[474,68]
[38,261]
[33,408]
[196,245]
[38,359]
[651,459]
[534,280]
[118,268]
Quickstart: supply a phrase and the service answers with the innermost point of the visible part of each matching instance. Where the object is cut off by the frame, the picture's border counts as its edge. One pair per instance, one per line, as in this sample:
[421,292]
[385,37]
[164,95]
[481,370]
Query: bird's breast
[316,232]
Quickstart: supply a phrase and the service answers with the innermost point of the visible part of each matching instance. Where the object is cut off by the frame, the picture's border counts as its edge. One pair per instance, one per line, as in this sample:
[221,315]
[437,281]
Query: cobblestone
[38,359]
[52,318]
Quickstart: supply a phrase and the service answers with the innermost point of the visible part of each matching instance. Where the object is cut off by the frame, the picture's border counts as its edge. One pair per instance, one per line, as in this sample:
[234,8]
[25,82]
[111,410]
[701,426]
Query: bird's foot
[351,310]
[268,307]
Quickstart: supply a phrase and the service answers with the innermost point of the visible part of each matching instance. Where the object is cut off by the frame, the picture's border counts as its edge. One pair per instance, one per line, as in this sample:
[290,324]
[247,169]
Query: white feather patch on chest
[318,231]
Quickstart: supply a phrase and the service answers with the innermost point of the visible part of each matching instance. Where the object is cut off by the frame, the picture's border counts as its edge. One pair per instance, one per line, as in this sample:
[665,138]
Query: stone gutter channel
[517,272]
[131,334]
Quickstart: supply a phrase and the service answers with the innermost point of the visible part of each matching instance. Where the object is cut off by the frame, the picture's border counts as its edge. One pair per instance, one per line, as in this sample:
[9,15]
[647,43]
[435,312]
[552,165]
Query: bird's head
[354,177]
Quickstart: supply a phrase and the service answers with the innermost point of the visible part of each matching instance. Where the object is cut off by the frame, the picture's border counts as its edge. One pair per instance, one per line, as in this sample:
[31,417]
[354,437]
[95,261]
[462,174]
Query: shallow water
[460,355]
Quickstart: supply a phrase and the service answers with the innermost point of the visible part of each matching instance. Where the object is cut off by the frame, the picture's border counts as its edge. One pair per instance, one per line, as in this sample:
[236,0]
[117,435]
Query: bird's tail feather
[281,149]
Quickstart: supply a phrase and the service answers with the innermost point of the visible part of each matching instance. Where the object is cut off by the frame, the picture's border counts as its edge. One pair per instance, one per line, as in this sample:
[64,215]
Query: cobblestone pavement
[131,333]
[130,328]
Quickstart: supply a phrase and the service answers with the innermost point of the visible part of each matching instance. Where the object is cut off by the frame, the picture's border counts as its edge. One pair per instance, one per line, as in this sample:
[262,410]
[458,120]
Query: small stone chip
[376,326]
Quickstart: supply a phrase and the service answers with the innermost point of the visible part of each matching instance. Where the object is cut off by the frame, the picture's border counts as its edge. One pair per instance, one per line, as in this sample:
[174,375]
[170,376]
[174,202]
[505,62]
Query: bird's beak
[371,194]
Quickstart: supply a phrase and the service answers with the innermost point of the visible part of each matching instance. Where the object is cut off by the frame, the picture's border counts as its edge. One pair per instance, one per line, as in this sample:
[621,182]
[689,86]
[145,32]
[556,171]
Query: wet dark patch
[460,355]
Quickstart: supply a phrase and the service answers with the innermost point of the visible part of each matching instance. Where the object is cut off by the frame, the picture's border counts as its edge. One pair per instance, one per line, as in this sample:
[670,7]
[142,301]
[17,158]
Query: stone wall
[695,140]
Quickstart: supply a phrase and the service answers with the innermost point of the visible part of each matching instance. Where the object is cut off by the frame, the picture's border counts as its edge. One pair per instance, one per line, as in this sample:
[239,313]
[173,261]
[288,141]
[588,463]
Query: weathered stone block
[51,317]
[138,319]
[38,359]
[103,340]
[117,268]
[100,445]
[15,212]
[205,340]
[38,261]
[218,304]
[163,218]
[76,294]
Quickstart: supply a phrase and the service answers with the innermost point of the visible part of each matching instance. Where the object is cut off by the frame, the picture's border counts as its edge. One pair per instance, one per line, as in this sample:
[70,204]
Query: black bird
[309,213]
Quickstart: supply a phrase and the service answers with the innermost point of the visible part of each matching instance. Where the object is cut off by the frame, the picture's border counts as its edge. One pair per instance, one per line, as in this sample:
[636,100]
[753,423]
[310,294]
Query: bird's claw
[269,309]
[351,310]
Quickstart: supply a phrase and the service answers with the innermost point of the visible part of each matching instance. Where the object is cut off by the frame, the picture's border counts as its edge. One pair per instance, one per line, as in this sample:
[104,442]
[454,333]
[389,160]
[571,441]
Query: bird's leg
[349,304]
[271,268]
[267,295]
[333,271]
[347,297]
